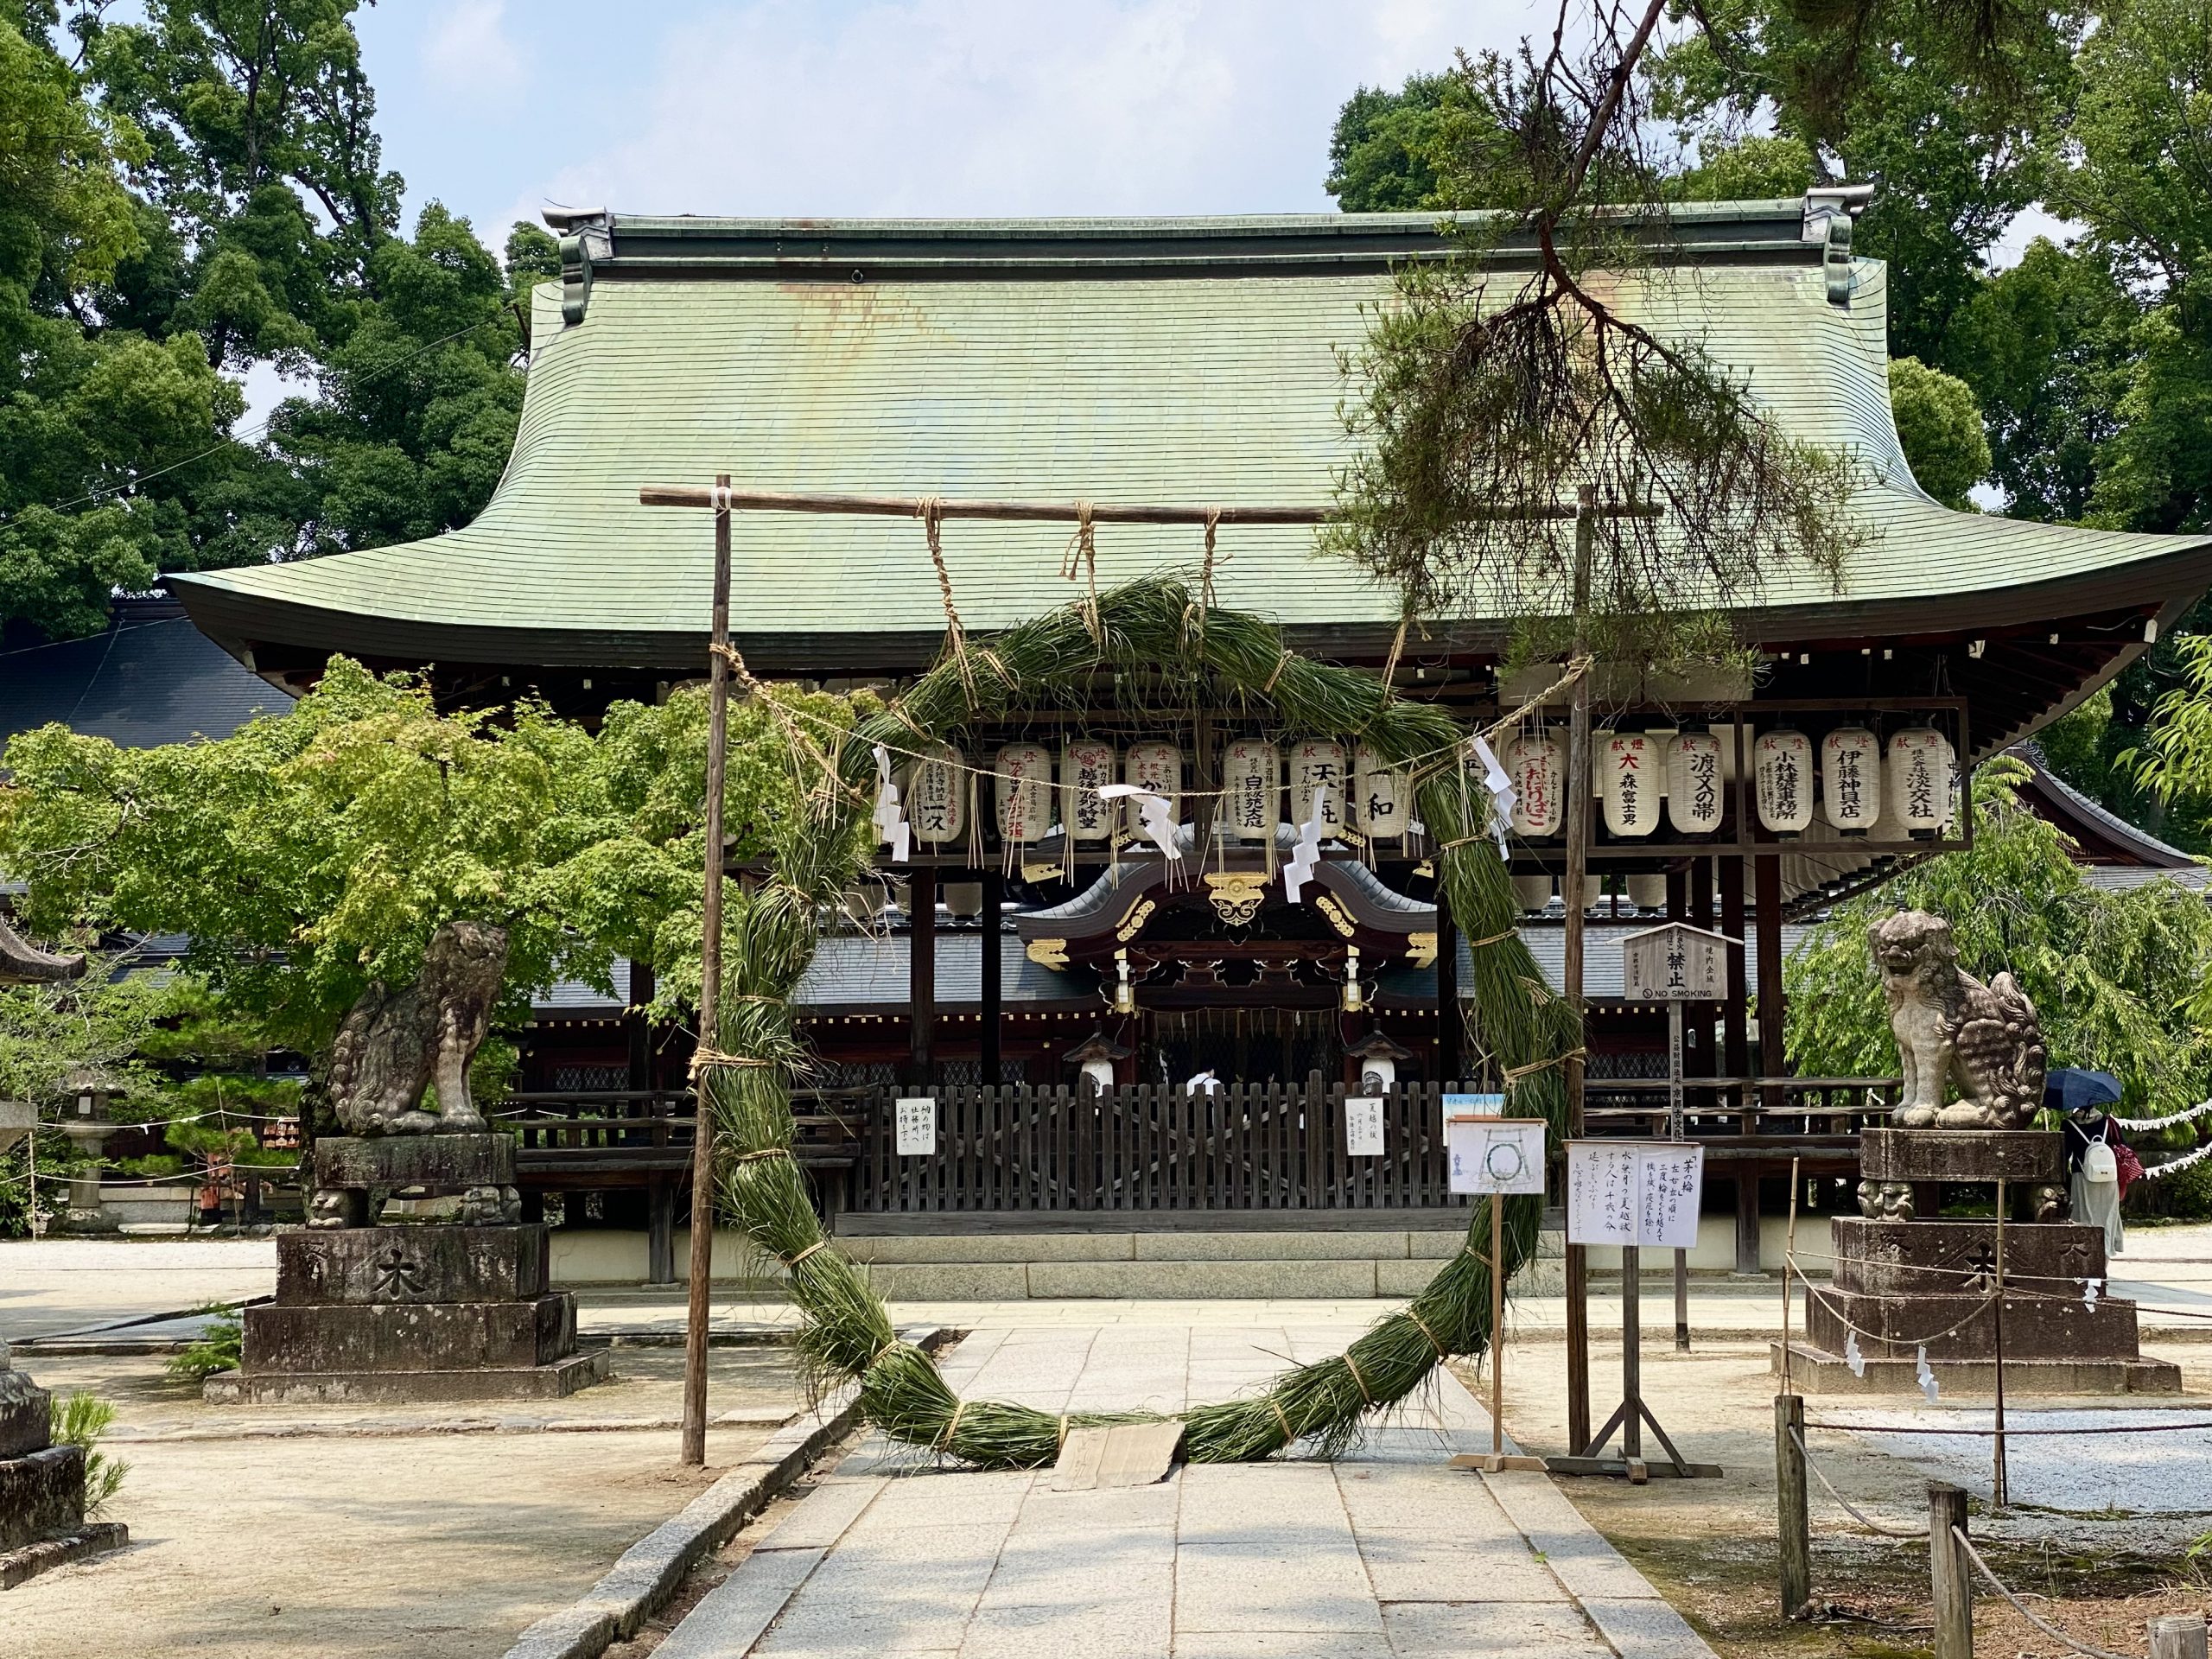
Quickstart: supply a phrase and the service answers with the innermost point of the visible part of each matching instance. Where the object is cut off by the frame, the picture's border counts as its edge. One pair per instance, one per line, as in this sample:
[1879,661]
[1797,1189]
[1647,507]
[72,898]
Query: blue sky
[921,107]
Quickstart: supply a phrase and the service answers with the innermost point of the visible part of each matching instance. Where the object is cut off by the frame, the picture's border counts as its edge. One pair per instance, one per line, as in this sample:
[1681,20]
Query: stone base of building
[553,1381]
[90,1539]
[41,1495]
[1815,1370]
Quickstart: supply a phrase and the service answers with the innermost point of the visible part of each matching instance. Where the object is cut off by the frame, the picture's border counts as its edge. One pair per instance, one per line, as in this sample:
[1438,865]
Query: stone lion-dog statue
[1949,1026]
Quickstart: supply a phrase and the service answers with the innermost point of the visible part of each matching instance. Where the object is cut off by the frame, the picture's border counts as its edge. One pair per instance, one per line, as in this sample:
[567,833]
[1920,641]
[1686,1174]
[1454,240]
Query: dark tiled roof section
[151,678]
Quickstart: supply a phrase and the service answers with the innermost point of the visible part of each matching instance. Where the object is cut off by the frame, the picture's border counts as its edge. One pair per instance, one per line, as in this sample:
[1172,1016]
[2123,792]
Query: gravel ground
[408,1541]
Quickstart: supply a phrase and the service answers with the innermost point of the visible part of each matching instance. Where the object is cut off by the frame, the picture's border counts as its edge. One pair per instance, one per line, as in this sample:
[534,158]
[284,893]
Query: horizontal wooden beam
[1063,513]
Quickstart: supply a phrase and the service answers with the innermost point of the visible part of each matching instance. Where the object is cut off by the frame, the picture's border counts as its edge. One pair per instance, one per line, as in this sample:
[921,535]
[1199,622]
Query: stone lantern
[1096,1054]
[1374,1062]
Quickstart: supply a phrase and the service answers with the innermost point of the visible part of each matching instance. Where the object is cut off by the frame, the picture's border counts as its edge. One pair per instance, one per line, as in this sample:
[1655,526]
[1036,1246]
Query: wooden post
[2177,1635]
[1767,920]
[1950,1576]
[1789,1267]
[921,971]
[1675,1132]
[694,1436]
[660,1231]
[1578,864]
[1448,1016]
[1496,1202]
[1997,1485]
[1632,1357]
[1736,1043]
[1791,1520]
[993,944]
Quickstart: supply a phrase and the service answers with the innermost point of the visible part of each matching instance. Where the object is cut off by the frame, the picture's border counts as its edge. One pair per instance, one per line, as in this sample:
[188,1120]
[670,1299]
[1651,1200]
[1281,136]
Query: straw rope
[929,509]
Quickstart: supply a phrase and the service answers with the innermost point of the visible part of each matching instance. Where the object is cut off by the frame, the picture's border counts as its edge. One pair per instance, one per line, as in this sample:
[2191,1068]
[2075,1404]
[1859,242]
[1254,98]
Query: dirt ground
[1709,1546]
[334,1533]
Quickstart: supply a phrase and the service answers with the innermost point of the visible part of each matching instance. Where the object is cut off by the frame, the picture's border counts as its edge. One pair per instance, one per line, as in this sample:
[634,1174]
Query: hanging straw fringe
[929,509]
[1398,649]
[1082,559]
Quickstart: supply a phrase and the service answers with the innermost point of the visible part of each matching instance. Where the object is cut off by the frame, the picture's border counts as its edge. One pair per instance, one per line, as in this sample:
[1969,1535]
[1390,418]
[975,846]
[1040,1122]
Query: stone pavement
[1384,1553]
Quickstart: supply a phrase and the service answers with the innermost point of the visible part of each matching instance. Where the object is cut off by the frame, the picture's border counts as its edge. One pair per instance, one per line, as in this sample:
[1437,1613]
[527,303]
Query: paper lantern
[1251,789]
[1315,764]
[1085,764]
[1647,893]
[1781,768]
[1635,780]
[1379,797]
[1156,768]
[1851,777]
[937,796]
[1920,781]
[1025,791]
[1535,892]
[1695,794]
[1538,764]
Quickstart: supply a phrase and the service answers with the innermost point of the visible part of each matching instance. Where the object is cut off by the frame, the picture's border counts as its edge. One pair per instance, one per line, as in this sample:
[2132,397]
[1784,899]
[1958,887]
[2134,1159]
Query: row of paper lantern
[1362,792]
[1637,775]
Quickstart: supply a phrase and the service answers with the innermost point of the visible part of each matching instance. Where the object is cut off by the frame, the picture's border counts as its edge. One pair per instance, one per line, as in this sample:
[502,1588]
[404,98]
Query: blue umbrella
[2068,1089]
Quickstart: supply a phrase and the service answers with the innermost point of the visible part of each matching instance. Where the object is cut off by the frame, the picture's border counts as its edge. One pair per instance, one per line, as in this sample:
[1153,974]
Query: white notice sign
[1670,1179]
[1640,1193]
[1495,1155]
[917,1126]
[1363,1126]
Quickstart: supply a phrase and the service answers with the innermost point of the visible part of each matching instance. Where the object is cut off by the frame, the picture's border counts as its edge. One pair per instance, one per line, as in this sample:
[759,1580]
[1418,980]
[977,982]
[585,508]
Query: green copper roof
[1130,361]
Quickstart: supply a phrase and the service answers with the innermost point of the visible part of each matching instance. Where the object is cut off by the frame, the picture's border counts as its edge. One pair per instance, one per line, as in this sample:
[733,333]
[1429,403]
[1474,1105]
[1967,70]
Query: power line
[258,430]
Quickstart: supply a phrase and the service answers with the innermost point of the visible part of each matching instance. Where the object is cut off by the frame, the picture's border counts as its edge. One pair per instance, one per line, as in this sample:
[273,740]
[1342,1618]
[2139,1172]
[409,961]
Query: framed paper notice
[1634,1192]
[917,1126]
[1495,1155]
[1363,1126]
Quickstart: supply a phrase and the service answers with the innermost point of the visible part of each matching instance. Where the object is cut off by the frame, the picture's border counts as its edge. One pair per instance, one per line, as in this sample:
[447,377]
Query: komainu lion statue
[394,1045]
[1950,1026]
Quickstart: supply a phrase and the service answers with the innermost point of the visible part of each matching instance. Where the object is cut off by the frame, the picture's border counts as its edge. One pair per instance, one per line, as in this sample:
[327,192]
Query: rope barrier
[2021,1607]
[1816,1294]
[2014,1434]
[1859,1514]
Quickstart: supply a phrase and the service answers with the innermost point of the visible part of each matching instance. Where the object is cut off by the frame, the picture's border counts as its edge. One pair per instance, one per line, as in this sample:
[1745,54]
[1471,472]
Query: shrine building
[1064,989]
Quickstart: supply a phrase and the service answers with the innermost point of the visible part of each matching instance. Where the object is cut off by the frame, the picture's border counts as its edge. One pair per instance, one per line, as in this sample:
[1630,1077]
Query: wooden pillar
[660,1231]
[994,945]
[1747,1220]
[1700,1061]
[1767,919]
[921,971]
[1736,1042]
[1578,863]
[639,1027]
[1448,1016]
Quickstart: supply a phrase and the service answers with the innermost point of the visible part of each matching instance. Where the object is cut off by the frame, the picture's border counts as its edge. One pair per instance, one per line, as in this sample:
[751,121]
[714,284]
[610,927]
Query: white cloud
[468,51]
[781,107]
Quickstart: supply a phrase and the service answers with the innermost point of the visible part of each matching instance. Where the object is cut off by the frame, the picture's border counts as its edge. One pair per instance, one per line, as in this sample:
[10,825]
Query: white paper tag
[1363,1126]
[917,1123]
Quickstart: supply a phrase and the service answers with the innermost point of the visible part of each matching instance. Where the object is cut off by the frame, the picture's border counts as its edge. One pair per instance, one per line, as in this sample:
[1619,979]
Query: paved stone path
[1386,1553]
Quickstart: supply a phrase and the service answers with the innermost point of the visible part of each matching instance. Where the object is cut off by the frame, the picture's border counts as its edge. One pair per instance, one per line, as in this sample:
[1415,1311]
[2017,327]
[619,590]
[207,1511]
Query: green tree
[1939,422]
[2119,977]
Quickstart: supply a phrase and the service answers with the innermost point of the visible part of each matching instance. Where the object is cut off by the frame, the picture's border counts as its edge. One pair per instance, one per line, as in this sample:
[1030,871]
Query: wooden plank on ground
[1121,1454]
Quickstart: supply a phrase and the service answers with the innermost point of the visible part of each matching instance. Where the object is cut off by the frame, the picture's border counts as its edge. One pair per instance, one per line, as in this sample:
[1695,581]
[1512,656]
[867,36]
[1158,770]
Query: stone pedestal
[41,1486]
[421,1310]
[1904,1283]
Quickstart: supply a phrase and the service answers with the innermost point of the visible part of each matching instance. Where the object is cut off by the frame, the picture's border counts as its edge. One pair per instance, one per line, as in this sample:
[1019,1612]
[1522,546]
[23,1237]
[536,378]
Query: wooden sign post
[1496,1157]
[1631,1193]
[1674,964]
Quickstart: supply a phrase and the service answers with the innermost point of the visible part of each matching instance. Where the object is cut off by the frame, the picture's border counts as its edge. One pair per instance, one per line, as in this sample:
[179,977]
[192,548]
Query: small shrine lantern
[1781,767]
[1536,762]
[1086,765]
[1251,778]
[1921,767]
[1373,1062]
[1694,780]
[1633,781]
[1851,777]
[937,797]
[1095,1055]
[1156,768]
[1379,797]
[1025,788]
[1315,764]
